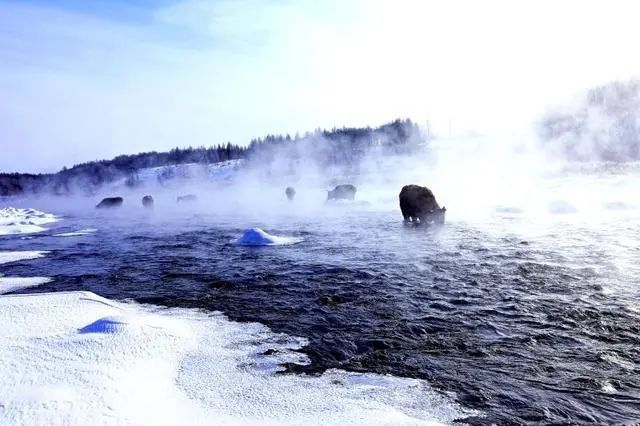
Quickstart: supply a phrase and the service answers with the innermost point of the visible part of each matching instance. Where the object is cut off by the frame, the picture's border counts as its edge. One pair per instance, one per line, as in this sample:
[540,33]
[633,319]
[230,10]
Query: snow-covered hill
[216,172]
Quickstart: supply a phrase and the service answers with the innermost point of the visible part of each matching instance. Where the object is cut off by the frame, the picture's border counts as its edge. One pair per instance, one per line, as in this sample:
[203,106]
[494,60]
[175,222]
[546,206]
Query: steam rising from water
[476,178]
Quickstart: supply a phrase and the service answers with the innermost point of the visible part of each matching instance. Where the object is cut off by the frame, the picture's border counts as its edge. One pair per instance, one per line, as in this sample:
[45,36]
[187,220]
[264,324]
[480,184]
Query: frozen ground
[77,358]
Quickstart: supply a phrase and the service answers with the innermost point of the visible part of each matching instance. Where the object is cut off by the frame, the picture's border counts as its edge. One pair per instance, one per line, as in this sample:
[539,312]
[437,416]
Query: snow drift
[258,237]
[23,221]
[77,358]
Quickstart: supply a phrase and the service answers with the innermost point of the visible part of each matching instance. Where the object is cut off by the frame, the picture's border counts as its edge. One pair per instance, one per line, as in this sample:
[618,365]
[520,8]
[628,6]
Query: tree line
[338,146]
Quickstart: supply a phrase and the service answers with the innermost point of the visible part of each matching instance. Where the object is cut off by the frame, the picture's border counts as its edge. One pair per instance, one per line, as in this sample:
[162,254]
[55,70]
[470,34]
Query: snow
[15,256]
[78,233]
[607,387]
[77,358]
[258,237]
[166,175]
[23,221]
[9,284]
[110,324]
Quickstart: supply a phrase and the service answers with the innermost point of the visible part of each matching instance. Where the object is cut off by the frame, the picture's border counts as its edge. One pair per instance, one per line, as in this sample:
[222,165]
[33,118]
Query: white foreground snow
[258,237]
[76,358]
[23,221]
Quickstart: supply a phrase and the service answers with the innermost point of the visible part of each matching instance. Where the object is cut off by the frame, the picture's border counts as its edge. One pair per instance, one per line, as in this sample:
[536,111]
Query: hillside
[343,148]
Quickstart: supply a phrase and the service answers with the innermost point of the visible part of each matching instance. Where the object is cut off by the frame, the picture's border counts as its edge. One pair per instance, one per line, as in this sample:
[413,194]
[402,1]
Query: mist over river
[527,312]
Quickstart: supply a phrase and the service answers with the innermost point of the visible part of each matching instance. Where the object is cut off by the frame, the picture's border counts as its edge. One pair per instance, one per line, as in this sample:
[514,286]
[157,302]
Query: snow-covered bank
[15,256]
[77,358]
[9,284]
[23,221]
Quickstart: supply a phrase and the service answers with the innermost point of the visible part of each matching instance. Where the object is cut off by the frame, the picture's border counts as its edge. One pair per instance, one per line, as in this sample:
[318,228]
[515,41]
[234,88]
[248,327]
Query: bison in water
[342,192]
[418,204]
[290,193]
[186,198]
[110,202]
[147,201]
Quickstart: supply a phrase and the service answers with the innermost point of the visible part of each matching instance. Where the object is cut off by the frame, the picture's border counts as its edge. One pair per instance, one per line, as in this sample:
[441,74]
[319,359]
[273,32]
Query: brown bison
[290,193]
[342,192]
[418,205]
[147,201]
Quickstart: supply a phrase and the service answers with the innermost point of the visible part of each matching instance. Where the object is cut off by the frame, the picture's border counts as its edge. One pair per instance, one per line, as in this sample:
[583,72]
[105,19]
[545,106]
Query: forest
[338,146]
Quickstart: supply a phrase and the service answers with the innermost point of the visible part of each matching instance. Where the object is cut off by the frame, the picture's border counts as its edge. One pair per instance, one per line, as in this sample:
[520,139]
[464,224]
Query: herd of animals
[417,203]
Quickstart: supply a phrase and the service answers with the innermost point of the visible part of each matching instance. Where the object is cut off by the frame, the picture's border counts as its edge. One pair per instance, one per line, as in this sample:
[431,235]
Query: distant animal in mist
[342,192]
[110,202]
[186,198]
[290,193]
[419,205]
[147,201]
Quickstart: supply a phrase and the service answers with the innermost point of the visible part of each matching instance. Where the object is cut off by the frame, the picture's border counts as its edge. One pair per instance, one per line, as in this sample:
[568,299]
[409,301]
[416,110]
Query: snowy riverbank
[81,359]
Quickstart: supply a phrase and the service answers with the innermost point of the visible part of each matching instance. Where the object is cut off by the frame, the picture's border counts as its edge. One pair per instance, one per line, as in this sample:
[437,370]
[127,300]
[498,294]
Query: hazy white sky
[82,80]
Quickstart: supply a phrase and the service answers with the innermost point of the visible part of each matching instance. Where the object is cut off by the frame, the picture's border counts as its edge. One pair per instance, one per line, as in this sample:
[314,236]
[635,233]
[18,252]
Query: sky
[84,80]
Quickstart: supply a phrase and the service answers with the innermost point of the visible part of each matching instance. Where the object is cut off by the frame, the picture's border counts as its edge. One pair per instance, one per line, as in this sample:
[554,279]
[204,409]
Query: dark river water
[525,321]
